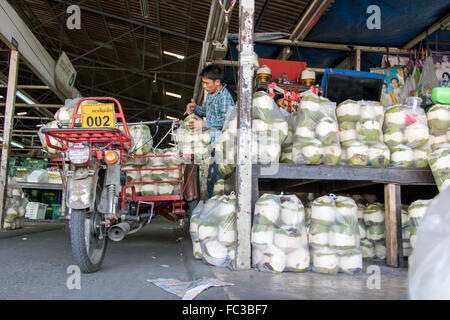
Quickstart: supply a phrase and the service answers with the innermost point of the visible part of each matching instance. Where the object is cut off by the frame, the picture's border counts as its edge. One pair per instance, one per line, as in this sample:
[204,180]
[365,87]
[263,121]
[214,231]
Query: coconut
[323,210]
[332,154]
[287,239]
[367,249]
[215,253]
[286,156]
[292,213]
[371,110]
[362,230]
[219,187]
[439,117]
[262,235]
[348,110]
[440,160]
[379,155]
[311,106]
[376,232]
[325,261]
[305,130]
[279,128]
[417,210]
[396,116]
[197,250]
[257,257]
[342,237]
[402,156]
[357,154]
[207,231]
[165,189]
[227,235]
[312,152]
[370,131]
[274,259]
[439,141]
[374,214]
[269,153]
[148,190]
[347,208]
[298,260]
[327,130]
[351,261]
[416,135]
[420,158]
[393,137]
[380,250]
[318,235]
[268,207]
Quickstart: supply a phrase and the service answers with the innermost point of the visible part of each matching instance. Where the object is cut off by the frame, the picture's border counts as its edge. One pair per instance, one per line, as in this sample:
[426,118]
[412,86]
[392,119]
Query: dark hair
[213,72]
[394,78]
[446,73]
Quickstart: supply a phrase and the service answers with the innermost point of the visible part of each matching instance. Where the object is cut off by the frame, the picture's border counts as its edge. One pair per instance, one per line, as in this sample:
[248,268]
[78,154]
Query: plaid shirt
[215,109]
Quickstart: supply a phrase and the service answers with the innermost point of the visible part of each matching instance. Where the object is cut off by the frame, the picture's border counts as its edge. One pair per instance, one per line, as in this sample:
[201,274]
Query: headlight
[79,154]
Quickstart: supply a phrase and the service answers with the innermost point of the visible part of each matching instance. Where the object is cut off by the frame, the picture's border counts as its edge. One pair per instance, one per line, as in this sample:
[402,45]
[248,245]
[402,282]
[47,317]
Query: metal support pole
[244,137]
[7,132]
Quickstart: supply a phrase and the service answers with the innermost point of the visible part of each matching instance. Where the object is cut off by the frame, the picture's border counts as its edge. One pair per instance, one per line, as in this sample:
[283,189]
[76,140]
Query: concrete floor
[34,264]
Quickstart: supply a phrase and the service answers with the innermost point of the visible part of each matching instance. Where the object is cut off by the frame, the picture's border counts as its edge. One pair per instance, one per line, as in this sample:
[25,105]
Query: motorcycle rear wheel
[88,238]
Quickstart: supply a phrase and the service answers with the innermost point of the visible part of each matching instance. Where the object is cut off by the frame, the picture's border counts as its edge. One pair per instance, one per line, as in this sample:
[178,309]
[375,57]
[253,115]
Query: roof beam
[441,23]
[309,18]
[112,16]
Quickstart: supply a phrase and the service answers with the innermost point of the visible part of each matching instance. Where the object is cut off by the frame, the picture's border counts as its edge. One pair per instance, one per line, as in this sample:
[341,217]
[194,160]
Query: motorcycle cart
[97,145]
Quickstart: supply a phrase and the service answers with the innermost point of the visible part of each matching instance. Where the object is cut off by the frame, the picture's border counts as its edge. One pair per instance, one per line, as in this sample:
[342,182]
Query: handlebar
[152,122]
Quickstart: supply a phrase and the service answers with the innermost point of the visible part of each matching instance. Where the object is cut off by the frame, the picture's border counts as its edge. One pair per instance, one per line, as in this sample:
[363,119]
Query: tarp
[346,23]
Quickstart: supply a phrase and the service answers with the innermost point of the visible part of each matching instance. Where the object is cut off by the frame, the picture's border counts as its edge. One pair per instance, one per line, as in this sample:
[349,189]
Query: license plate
[98,116]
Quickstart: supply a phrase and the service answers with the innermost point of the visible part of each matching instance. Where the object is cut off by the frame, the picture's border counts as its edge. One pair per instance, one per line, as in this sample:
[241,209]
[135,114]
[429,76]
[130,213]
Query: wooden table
[283,176]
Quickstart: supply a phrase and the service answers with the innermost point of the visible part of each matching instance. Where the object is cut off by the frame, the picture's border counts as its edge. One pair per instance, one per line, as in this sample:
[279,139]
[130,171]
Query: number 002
[98,121]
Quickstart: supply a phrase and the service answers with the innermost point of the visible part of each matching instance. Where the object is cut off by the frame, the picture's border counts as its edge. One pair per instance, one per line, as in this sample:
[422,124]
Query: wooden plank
[393,206]
[8,125]
[403,176]
[244,136]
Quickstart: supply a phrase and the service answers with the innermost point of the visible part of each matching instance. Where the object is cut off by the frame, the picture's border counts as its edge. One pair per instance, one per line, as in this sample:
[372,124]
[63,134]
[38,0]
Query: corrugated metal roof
[126,58]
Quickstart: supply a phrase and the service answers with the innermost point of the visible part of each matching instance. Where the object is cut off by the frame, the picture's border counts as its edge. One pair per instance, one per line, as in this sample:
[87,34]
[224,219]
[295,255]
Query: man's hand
[196,124]
[190,107]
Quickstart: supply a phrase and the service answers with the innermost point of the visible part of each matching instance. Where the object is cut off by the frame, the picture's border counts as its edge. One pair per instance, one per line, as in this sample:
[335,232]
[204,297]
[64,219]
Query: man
[395,92]
[215,108]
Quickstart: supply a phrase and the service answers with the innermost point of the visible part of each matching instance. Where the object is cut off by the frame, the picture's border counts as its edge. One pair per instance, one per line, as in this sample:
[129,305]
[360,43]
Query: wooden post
[244,137]
[7,131]
[393,207]
[358,60]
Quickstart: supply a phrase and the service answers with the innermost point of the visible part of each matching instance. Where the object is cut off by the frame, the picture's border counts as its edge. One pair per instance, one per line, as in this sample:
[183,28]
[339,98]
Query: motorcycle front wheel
[88,238]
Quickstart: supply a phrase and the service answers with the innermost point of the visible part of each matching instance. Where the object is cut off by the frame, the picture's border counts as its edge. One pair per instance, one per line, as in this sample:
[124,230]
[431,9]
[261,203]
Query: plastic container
[441,95]
[49,197]
[36,211]
[56,211]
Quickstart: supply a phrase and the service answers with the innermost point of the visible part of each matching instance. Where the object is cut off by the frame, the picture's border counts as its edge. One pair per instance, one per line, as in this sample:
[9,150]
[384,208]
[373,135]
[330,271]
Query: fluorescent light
[1,97]
[173,95]
[171,144]
[179,56]
[39,125]
[21,113]
[172,118]
[14,143]
[24,98]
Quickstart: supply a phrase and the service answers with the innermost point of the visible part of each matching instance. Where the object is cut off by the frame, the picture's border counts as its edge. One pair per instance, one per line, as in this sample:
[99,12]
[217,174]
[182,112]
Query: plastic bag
[193,229]
[406,133]
[38,176]
[429,274]
[53,141]
[334,235]
[142,139]
[438,118]
[279,235]
[428,80]
[416,212]
[439,162]
[225,144]
[361,133]
[217,231]
[316,137]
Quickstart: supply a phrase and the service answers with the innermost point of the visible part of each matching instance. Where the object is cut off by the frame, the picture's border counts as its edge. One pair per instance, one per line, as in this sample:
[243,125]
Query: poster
[442,67]
[392,85]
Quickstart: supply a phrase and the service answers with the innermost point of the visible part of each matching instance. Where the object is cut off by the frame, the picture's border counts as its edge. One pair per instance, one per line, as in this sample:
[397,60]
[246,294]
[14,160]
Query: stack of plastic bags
[316,138]
[438,118]
[439,161]
[279,238]
[269,129]
[217,231]
[334,236]
[193,230]
[286,146]
[407,135]
[225,145]
[373,228]
[361,133]
[193,141]
[406,233]
[15,207]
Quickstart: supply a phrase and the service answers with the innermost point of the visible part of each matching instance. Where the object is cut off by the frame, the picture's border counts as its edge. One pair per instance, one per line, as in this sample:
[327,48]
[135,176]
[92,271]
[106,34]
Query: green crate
[56,211]
[36,163]
[49,197]
[20,171]
[14,161]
